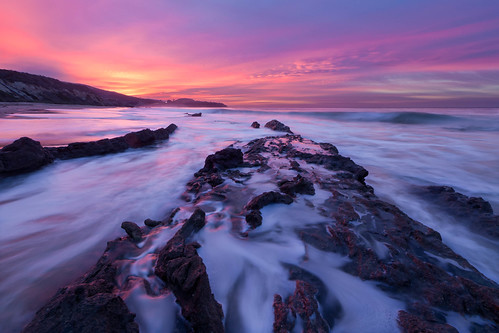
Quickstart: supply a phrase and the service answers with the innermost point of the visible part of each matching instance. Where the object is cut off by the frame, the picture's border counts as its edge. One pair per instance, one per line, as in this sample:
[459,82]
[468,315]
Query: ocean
[55,222]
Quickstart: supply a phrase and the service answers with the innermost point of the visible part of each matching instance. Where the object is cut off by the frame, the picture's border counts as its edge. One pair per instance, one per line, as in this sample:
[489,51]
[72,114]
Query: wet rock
[169,219]
[276,125]
[284,321]
[23,155]
[303,304]
[111,146]
[195,223]
[184,272]
[222,160]
[268,198]
[473,212]
[298,185]
[151,223]
[91,304]
[75,309]
[255,124]
[411,323]
[197,114]
[133,231]
[254,219]
[329,147]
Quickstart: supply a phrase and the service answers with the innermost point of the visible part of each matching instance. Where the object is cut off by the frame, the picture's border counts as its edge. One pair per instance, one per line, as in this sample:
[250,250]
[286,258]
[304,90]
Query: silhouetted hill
[189,102]
[23,87]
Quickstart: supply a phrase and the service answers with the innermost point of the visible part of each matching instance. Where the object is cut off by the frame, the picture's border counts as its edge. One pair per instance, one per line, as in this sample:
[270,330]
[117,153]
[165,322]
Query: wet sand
[7,110]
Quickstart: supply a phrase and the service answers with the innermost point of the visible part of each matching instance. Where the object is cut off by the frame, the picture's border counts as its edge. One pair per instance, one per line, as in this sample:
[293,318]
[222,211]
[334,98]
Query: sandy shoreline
[7,108]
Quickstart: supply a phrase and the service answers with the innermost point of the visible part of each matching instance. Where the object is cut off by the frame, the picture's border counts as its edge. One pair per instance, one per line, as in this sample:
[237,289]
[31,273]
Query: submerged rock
[276,125]
[474,213]
[23,155]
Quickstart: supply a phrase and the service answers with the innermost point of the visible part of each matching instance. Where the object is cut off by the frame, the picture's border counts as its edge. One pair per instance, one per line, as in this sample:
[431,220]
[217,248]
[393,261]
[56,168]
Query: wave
[450,122]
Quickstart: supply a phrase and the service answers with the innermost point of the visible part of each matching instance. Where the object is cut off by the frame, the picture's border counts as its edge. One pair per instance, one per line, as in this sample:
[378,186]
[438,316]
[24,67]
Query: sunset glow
[264,53]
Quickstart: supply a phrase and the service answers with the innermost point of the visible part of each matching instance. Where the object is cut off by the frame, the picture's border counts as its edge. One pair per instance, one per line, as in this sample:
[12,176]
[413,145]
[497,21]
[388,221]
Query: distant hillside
[24,87]
[188,102]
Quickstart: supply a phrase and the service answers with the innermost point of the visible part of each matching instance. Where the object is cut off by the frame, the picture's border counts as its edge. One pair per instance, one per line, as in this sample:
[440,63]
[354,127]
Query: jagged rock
[23,155]
[475,213]
[276,125]
[184,272]
[298,185]
[254,219]
[151,223]
[198,114]
[222,160]
[411,323]
[139,139]
[110,146]
[303,304]
[268,198]
[90,304]
[133,231]
[255,124]
[329,147]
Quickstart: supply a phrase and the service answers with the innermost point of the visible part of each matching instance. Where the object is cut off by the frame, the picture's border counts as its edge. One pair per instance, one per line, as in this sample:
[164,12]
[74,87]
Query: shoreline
[10,108]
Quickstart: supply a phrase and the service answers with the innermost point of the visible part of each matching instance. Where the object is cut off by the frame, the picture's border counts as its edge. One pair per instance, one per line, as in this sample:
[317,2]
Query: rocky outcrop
[24,87]
[255,124]
[375,241]
[91,304]
[183,271]
[137,139]
[475,213]
[25,155]
[276,125]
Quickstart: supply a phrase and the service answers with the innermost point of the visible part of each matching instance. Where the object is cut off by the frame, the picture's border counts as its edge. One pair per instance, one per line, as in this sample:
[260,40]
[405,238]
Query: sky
[264,53]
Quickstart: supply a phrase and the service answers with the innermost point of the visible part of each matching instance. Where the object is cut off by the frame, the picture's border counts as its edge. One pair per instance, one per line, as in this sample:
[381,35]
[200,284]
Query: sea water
[54,223]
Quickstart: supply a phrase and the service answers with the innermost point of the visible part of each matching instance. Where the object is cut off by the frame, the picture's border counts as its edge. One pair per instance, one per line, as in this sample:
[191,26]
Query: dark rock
[75,309]
[90,304]
[411,323]
[133,231]
[184,272]
[169,219]
[332,162]
[222,160]
[475,213]
[298,185]
[111,146]
[303,304]
[151,223]
[198,114]
[254,219]
[268,198]
[276,125]
[329,147]
[195,223]
[255,124]
[23,155]
[139,139]
[284,321]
